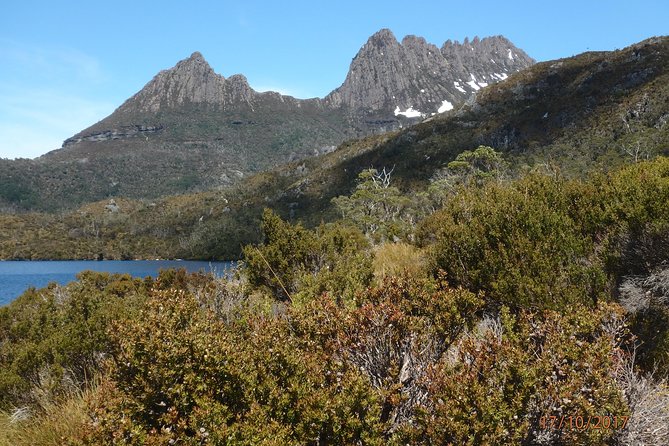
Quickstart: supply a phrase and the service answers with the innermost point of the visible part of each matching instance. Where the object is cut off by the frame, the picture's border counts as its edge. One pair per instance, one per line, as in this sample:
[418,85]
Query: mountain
[415,79]
[191,129]
[591,112]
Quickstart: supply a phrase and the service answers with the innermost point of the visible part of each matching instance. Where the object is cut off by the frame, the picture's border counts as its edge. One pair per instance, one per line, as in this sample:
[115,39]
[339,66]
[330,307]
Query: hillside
[191,129]
[588,113]
[594,111]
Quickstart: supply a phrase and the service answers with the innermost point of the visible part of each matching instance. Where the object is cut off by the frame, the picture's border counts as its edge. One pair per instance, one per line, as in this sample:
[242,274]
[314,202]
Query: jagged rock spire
[415,75]
[190,81]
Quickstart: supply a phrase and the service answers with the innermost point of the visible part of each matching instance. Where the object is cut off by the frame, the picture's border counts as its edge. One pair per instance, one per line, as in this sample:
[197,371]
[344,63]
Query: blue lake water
[17,276]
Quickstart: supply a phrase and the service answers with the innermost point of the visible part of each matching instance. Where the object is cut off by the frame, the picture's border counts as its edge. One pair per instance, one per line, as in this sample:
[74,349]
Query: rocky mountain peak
[238,90]
[238,79]
[191,80]
[194,65]
[412,40]
[484,61]
[377,46]
[197,56]
[415,79]
[382,37]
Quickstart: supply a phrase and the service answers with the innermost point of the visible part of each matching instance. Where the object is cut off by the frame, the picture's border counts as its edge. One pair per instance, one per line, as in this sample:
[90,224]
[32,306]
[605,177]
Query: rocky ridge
[415,79]
[388,83]
[191,81]
[192,129]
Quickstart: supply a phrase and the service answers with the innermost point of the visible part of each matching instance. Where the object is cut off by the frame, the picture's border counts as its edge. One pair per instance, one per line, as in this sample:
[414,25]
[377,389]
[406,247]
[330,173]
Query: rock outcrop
[415,79]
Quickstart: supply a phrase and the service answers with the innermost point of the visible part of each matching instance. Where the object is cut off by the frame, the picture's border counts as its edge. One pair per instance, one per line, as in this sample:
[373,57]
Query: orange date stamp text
[579,422]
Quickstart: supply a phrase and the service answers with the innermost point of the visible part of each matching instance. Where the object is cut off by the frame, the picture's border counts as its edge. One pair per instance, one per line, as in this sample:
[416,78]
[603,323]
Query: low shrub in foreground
[52,340]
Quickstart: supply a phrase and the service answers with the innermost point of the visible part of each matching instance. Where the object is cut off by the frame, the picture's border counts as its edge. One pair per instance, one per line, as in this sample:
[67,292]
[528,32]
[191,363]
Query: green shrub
[519,243]
[504,382]
[651,326]
[52,340]
[287,250]
[294,263]
[477,167]
[342,266]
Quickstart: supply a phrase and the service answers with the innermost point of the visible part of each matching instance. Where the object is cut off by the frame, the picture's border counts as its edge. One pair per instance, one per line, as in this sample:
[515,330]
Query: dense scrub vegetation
[478,310]
[593,112]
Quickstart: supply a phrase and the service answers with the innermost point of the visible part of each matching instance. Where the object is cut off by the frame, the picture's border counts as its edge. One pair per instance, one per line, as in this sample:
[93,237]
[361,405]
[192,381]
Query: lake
[17,276]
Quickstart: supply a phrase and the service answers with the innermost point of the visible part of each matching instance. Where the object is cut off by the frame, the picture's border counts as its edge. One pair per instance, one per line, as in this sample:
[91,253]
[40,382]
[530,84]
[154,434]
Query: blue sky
[66,65]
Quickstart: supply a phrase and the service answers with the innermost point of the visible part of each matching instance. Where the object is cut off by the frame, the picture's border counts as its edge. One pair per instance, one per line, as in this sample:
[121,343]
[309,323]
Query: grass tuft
[398,259]
[57,425]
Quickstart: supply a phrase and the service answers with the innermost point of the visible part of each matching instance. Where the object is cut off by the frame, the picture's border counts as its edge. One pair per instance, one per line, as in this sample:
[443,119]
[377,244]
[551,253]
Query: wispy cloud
[35,121]
[46,95]
[68,64]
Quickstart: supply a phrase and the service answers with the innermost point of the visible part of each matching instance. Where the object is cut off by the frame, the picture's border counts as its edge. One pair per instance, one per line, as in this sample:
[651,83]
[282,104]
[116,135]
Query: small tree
[375,206]
[469,168]
[476,166]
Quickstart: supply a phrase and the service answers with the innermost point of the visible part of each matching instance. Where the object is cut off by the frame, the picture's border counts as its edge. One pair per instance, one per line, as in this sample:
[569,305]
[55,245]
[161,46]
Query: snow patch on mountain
[409,112]
[445,106]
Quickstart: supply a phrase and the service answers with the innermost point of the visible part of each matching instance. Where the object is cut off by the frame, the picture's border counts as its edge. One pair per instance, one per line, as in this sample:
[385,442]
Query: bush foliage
[548,242]
[525,299]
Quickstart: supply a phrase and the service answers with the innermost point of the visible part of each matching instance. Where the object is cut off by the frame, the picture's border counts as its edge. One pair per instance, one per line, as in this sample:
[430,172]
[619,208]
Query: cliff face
[415,79]
[191,81]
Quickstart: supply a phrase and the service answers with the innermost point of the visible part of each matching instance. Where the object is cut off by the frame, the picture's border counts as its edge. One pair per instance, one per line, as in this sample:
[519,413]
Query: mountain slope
[416,79]
[583,113]
[191,129]
[578,115]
